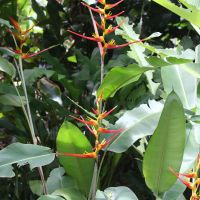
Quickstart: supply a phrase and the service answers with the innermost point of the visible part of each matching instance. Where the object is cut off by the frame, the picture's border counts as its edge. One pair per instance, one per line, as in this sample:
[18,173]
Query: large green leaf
[71,140]
[36,187]
[138,123]
[22,154]
[50,89]
[7,23]
[190,154]
[11,99]
[50,197]
[70,194]
[183,83]
[116,193]
[193,17]
[58,181]
[7,67]
[166,146]
[119,77]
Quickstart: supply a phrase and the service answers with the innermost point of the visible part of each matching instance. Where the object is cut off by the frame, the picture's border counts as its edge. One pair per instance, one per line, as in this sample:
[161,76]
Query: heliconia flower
[24,40]
[111,44]
[16,25]
[85,155]
[101,116]
[187,183]
[94,38]
[24,56]
[189,175]
[99,10]
[95,111]
[104,143]
[94,132]
[24,32]
[105,130]
[108,16]
[110,29]
[17,36]
[91,122]
[102,25]
[100,97]
[15,51]
[103,2]
[109,6]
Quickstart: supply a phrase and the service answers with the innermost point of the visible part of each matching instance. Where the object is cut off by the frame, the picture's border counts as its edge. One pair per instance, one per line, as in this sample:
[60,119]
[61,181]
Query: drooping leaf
[7,67]
[50,89]
[36,187]
[5,22]
[11,99]
[22,154]
[116,193]
[71,140]
[138,123]
[166,146]
[58,181]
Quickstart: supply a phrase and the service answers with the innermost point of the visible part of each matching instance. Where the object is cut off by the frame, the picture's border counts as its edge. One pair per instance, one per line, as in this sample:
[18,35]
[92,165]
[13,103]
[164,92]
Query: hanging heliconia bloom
[195,195]
[23,39]
[95,132]
[105,16]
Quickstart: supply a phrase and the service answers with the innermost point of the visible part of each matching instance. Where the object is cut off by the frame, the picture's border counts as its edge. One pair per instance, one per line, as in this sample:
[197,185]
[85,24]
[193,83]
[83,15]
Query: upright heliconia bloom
[110,16]
[99,10]
[109,6]
[23,39]
[101,116]
[110,29]
[103,2]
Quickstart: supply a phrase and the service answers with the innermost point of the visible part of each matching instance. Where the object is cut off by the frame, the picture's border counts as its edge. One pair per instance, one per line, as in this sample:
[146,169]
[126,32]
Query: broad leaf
[138,123]
[70,194]
[7,23]
[22,154]
[183,83]
[36,187]
[166,146]
[193,17]
[11,100]
[50,197]
[7,67]
[116,193]
[119,77]
[58,181]
[71,140]
[50,89]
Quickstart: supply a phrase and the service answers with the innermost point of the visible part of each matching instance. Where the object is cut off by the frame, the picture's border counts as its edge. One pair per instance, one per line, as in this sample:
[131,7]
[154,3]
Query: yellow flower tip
[110,27]
[95,35]
[111,42]
[110,13]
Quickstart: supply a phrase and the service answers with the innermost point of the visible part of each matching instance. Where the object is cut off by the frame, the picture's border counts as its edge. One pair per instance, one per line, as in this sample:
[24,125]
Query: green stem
[30,120]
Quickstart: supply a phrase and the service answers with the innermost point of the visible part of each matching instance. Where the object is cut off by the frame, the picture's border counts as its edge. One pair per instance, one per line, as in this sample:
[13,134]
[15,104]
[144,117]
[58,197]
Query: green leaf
[193,17]
[166,146]
[7,67]
[11,99]
[50,197]
[89,2]
[116,193]
[175,77]
[38,10]
[22,154]
[72,58]
[70,194]
[30,75]
[138,123]
[36,187]
[50,89]
[190,155]
[5,22]
[119,77]
[71,140]
[58,181]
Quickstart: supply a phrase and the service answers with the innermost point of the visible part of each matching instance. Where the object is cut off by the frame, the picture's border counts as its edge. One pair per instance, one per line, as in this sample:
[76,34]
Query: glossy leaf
[7,67]
[166,146]
[71,140]
[116,193]
[138,123]
[70,194]
[50,197]
[11,99]
[58,181]
[119,77]
[190,155]
[22,154]
[183,83]
[50,89]
[36,187]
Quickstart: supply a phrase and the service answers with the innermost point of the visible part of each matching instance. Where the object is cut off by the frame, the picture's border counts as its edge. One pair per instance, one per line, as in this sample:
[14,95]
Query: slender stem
[30,120]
